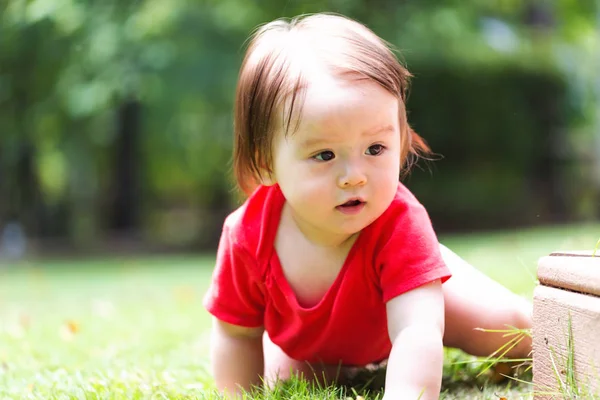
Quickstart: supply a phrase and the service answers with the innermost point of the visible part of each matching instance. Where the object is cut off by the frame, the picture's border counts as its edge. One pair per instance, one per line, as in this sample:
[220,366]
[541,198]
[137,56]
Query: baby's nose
[352,176]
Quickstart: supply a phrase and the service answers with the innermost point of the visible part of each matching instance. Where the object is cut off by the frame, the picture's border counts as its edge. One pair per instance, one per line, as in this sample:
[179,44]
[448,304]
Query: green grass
[135,327]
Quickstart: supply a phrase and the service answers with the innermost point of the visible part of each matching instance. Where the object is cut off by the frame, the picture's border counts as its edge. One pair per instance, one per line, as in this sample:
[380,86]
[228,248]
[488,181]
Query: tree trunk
[126,179]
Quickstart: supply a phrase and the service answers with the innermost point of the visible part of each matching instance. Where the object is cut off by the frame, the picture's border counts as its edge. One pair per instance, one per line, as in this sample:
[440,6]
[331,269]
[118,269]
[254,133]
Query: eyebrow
[313,142]
[383,129]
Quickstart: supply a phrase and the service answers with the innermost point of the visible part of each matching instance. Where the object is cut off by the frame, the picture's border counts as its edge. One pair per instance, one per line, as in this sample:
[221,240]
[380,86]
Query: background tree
[115,116]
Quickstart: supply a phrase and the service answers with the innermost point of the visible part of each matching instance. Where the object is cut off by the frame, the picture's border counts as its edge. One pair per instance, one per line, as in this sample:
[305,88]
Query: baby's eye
[324,156]
[375,150]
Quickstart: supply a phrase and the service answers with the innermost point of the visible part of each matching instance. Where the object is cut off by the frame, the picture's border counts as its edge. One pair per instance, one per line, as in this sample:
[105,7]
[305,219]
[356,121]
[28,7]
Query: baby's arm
[236,357]
[416,329]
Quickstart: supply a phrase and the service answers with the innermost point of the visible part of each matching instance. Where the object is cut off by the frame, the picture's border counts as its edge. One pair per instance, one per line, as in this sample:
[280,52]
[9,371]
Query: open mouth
[351,206]
[351,203]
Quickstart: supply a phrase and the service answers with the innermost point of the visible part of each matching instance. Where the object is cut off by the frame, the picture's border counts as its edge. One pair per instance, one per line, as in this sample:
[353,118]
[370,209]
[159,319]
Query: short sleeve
[236,294]
[411,255]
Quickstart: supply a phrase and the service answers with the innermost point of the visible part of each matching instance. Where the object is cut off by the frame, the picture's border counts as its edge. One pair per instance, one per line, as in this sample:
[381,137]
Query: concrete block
[566,305]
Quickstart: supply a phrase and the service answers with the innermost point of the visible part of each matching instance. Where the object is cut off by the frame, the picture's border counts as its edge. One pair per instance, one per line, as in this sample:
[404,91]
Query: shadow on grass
[463,378]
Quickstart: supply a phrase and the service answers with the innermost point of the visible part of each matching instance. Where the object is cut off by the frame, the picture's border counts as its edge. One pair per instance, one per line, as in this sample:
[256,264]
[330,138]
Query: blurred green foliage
[116,115]
[497,128]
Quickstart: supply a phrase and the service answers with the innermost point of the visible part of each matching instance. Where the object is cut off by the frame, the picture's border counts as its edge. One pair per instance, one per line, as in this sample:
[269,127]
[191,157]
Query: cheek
[307,188]
[309,170]
[312,185]
[389,165]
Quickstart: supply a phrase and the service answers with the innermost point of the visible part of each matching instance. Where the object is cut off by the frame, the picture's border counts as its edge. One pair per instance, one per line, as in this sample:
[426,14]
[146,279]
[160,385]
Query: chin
[352,229]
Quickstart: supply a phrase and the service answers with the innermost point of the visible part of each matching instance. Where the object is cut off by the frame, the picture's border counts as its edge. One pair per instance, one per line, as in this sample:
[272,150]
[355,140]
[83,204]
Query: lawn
[135,327]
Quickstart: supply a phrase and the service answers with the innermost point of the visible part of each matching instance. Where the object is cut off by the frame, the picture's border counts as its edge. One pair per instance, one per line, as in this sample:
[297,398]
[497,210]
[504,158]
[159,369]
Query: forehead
[331,104]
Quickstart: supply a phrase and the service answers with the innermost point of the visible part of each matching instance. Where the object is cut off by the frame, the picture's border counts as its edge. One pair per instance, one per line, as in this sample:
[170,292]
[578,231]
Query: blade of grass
[571,379]
[527,270]
[491,360]
[517,379]
[509,332]
[508,346]
[548,391]
[502,360]
[562,385]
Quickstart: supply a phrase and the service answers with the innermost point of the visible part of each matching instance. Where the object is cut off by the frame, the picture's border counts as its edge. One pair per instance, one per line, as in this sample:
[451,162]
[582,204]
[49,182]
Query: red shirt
[396,253]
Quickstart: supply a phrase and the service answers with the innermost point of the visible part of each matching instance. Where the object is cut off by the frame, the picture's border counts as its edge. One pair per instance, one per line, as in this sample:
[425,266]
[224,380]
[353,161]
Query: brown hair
[271,81]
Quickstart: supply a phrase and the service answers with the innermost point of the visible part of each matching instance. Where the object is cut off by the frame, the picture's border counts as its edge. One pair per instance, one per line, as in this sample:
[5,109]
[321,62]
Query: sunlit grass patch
[129,329]
[510,257]
[126,327]
[135,328]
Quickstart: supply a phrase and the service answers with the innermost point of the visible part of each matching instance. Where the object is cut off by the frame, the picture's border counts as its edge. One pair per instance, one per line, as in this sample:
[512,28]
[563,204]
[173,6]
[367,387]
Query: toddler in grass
[331,264]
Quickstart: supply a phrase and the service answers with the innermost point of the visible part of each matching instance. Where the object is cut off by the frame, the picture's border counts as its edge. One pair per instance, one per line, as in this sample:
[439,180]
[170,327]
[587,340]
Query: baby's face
[339,170]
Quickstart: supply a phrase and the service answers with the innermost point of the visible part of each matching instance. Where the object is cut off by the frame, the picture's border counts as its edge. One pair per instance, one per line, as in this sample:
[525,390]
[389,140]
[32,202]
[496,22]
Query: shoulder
[406,251]
[404,211]
[247,226]
[404,231]
[405,200]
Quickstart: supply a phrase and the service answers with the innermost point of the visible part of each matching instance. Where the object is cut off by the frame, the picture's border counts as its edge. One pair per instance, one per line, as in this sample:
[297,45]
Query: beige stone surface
[552,309]
[577,273]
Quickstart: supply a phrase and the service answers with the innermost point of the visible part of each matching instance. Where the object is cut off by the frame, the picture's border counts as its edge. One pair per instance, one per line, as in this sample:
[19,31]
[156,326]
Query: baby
[331,264]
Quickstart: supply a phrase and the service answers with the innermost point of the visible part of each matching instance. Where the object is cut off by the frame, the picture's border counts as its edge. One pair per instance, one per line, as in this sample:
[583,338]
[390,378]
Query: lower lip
[351,210]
